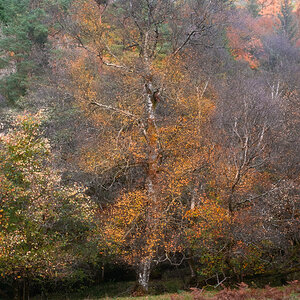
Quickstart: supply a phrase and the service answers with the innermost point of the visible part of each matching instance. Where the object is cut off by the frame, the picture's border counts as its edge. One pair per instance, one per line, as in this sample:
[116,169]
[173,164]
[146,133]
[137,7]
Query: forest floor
[123,291]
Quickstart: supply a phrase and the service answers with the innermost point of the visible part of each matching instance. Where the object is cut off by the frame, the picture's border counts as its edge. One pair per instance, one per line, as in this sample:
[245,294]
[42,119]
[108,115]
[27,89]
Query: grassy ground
[172,290]
[180,296]
[183,296]
[123,290]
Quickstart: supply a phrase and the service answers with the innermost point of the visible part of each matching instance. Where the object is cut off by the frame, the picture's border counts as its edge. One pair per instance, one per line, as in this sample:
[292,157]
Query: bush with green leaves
[44,225]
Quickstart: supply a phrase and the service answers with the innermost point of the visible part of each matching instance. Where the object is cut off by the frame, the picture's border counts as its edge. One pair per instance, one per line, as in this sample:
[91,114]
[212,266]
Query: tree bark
[153,153]
[144,274]
[153,142]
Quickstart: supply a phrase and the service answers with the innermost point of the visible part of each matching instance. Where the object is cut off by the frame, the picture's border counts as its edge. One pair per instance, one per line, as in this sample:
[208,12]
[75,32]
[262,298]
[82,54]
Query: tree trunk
[16,285]
[192,270]
[21,289]
[151,96]
[144,274]
[102,272]
[25,295]
[193,279]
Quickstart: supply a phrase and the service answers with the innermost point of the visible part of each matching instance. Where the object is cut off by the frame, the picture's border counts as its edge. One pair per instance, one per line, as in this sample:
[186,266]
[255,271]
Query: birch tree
[125,72]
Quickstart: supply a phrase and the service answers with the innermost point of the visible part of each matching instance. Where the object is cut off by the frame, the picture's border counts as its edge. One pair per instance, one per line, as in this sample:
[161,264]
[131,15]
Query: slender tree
[142,41]
[288,25]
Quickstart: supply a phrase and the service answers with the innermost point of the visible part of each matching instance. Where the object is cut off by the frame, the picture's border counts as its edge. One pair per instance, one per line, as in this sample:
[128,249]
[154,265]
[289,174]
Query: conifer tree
[24,51]
[23,31]
[253,8]
[288,26]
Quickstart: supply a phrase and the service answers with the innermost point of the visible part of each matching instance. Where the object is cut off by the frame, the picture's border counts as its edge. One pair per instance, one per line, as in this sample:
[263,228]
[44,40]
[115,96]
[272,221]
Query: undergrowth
[243,292]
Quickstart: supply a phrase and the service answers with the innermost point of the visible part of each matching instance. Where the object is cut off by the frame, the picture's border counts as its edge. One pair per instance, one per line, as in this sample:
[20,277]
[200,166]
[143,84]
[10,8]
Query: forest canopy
[148,135]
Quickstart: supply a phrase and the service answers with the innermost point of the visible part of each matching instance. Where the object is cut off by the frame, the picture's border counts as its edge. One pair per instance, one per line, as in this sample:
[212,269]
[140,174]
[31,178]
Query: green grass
[185,295]
[120,290]
[158,290]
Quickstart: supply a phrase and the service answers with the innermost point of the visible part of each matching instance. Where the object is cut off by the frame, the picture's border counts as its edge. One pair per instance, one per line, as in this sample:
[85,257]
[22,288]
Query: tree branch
[185,42]
[125,113]
[120,111]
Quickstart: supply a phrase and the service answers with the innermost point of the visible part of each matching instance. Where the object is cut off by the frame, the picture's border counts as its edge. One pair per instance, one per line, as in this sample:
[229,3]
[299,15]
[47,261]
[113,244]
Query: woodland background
[148,139]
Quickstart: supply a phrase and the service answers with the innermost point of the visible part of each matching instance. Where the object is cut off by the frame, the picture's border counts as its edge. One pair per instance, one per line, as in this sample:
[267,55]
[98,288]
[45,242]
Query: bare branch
[120,111]
[127,114]
[184,43]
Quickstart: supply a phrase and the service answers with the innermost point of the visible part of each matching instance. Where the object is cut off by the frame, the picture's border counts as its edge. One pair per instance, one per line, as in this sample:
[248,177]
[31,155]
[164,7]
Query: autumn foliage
[153,132]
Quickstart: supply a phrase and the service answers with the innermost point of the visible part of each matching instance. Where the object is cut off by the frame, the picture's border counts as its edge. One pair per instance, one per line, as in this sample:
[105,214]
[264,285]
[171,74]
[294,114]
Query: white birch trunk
[144,274]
